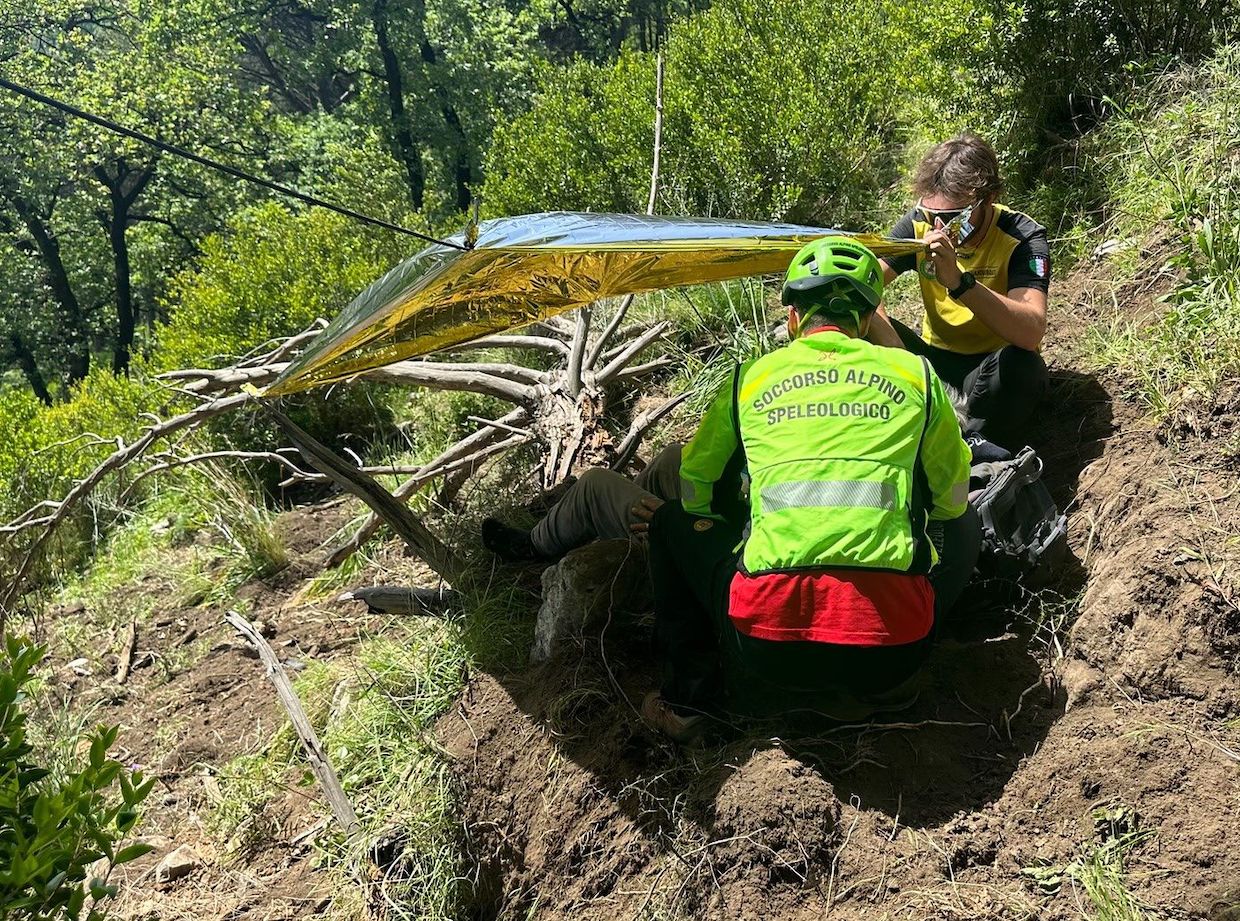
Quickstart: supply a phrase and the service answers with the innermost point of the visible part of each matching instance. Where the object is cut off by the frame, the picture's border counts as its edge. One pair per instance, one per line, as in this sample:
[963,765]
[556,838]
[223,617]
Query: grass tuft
[1099,872]
[1176,166]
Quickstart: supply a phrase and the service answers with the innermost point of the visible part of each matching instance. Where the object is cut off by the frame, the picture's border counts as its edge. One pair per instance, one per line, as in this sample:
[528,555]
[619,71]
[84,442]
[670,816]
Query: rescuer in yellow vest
[819,573]
[984,280]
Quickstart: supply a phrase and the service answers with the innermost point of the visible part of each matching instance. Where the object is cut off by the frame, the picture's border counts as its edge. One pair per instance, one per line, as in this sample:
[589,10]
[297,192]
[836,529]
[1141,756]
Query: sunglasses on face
[958,222]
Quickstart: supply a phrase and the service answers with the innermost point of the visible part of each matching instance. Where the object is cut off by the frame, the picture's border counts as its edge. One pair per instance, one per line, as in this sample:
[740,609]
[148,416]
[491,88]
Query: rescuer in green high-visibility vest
[799,560]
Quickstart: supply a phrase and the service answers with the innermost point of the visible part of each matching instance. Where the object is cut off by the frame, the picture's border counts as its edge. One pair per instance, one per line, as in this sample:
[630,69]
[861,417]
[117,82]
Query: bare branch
[212,380]
[542,343]
[658,133]
[469,449]
[628,447]
[636,371]
[505,370]
[409,527]
[478,378]
[631,350]
[494,423]
[122,456]
[421,474]
[553,326]
[577,350]
[173,462]
[287,347]
[417,372]
[315,755]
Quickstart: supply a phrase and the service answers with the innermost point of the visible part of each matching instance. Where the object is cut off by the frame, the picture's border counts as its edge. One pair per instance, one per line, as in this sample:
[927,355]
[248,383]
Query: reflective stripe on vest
[836,493]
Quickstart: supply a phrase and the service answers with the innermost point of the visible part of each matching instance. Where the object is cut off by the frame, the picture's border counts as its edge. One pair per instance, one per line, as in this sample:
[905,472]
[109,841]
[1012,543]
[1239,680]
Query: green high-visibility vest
[850,448]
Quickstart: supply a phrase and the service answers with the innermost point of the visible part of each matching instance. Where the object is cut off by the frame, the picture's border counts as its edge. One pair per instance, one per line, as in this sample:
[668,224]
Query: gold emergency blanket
[524,269]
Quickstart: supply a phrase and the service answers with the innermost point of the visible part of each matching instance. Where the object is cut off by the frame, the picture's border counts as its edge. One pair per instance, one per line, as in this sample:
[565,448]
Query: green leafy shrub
[43,450]
[768,112]
[270,274]
[1064,57]
[54,828]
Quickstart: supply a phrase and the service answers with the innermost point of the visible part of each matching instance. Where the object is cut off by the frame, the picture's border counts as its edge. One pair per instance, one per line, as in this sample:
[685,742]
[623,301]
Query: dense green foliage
[388,107]
[122,259]
[53,828]
[766,114]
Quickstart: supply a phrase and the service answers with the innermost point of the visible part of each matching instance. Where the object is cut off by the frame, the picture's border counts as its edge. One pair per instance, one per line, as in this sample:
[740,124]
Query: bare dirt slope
[198,697]
[1057,734]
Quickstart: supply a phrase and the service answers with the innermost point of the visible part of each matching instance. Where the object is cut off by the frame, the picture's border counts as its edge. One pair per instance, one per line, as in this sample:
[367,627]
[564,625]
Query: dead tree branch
[345,475]
[472,450]
[577,352]
[341,808]
[628,447]
[124,455]
[631,351]
[538,343]
[172,462]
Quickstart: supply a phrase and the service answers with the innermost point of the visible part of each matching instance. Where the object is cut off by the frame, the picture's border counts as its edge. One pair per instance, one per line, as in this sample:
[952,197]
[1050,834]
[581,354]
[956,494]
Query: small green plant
[1099,870]
[54,828]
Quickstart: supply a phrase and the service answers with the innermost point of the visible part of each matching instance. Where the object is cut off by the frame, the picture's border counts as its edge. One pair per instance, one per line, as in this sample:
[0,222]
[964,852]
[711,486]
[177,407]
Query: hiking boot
[512,545]
[662,717]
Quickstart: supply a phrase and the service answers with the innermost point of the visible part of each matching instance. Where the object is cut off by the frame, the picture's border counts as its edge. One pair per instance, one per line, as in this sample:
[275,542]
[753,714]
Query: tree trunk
[124,297]
[462,167]
[58,280]
[123,190]
[406,149]
[26,361]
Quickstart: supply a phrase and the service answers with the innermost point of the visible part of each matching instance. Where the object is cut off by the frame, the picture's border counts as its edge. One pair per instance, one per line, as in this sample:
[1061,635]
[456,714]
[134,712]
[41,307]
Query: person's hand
[943,254]
[643,512]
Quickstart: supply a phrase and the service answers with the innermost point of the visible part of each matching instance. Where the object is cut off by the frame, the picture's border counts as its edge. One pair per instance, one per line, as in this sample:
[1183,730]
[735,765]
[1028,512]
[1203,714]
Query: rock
[580,589]
[265,628]
[80,667]
[177,865]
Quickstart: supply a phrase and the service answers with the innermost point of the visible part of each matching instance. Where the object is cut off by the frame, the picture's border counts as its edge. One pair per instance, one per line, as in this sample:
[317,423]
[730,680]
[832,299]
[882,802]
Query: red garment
[848,607]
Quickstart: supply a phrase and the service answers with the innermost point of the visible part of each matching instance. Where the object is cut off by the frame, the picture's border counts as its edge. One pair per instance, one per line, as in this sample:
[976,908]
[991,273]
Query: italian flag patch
[1037,265]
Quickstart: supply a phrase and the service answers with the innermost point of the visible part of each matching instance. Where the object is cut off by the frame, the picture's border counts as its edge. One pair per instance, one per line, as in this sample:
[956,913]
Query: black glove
[985,452]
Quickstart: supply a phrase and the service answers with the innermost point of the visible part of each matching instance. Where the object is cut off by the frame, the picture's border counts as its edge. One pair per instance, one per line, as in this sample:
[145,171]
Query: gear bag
[1023,533]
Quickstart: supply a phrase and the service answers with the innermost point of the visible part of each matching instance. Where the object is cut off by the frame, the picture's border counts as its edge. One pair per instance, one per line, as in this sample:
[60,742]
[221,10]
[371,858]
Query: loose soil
[1115,688]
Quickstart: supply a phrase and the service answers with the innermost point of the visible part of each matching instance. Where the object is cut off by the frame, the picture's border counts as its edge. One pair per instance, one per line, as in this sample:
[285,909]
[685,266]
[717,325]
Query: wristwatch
[967,281]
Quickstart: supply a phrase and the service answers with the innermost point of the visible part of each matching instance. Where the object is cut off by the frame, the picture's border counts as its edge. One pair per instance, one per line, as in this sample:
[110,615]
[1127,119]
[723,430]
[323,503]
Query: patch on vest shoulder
[703,524]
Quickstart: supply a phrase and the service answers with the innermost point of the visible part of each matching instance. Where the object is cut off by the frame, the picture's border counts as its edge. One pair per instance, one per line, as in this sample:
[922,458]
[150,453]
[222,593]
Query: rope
[215,164]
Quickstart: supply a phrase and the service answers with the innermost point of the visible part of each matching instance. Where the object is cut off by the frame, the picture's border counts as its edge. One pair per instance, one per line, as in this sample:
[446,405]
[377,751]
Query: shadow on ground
[987,704]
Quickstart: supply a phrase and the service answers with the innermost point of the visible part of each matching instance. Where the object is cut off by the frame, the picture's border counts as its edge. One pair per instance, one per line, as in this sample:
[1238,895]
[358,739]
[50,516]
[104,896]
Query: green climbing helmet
[835,276]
